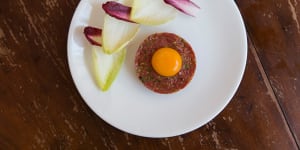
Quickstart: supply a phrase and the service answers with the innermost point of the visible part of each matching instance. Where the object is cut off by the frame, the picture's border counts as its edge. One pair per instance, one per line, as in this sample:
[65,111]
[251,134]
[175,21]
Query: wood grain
[40,107]
[275,31]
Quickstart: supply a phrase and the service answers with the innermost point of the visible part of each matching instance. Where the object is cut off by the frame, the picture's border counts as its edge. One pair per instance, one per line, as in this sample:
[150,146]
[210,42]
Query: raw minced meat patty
[150,78]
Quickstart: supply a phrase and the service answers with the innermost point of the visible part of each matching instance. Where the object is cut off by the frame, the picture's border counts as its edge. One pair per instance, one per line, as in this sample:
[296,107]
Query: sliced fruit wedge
[93,35]
[185,6]
[117,34]
[106,67]
[151,12]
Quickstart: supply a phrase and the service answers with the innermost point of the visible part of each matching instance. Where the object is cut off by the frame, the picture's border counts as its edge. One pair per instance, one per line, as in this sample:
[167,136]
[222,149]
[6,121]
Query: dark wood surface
[40,107]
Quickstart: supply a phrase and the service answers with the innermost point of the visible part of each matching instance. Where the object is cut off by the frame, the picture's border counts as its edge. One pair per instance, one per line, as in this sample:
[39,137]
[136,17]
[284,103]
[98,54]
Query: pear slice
[117,34]
[106,67]
[151,12]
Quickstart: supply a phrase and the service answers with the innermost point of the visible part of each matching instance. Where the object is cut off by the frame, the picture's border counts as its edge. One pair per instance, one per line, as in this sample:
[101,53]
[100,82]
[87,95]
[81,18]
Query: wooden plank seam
[270,89]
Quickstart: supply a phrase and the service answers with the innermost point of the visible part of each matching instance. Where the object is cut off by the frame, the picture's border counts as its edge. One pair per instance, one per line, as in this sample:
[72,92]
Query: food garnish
[151,12]
[146,11]
[117,34]
[93,35]
[106,67]
[117,10]
[186,6]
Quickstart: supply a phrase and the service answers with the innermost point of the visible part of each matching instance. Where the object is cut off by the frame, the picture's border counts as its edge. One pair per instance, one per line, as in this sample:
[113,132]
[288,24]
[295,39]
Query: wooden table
[40,107]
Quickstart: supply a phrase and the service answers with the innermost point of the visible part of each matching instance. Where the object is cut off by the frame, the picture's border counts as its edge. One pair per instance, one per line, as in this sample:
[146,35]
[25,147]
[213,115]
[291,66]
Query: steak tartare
[150,77]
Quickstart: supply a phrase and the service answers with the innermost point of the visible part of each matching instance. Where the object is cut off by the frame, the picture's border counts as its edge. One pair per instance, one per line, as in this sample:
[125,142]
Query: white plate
[218,38]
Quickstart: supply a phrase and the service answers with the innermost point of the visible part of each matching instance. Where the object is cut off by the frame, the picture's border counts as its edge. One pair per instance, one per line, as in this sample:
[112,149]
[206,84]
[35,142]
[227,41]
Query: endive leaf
[106,67]
[117,34]
[93,35]
[151,12]
[117,10]
[185,6]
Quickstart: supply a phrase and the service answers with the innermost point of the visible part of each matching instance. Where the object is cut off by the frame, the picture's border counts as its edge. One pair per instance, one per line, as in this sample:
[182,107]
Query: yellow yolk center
[166,62]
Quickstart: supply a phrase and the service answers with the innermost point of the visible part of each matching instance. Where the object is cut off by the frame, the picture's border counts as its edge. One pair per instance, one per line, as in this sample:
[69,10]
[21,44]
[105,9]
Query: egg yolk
[166,62]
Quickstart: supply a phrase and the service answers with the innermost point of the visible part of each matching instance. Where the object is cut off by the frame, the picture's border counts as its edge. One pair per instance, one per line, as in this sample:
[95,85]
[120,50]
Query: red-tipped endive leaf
[151,12]
[93,35]
[117,10]
[117,34]
[185,6]
[105,66]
